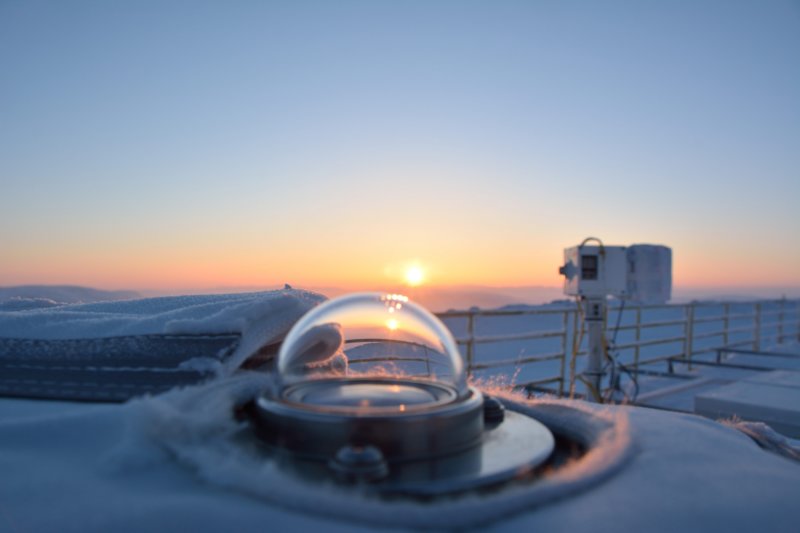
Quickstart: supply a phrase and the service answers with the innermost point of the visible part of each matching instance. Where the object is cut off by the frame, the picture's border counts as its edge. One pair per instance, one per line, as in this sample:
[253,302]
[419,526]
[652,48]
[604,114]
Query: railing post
[565,327]
[726,324]
[638,338]
[575,349]
[797,317]
[688,330]
[471,341]
[757,332]
[780,320]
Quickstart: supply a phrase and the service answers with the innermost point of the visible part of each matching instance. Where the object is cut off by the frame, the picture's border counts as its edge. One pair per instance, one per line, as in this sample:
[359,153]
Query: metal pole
[576,347]
[689,331]
[565,326]
[781,318]
[797,317]
[638,338]
[594,313]
[470,341]
[725,336]
[757,332]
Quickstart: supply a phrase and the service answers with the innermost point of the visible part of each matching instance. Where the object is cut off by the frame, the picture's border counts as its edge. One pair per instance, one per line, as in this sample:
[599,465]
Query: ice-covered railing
[533,347]
[488,353]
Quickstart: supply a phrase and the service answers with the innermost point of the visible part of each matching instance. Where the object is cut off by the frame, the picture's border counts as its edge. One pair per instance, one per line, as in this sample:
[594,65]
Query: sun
[415,275]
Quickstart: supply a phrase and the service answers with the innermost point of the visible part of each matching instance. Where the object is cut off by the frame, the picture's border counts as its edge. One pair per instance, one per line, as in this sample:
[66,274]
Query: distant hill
[28,296]
[435,298]
[442,298]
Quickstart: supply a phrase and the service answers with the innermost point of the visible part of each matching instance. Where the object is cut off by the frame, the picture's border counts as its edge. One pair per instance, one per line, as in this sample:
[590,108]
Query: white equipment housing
[641,273]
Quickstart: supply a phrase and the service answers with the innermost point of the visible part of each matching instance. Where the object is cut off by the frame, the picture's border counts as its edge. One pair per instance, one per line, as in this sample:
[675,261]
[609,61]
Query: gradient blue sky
[176,145]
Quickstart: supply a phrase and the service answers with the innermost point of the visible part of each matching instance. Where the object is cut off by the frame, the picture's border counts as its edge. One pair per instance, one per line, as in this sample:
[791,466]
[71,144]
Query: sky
[175,146]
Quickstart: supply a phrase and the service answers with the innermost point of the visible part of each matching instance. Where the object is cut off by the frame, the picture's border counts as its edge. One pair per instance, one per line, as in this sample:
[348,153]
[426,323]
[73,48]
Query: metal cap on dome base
[444,446]
[406,419]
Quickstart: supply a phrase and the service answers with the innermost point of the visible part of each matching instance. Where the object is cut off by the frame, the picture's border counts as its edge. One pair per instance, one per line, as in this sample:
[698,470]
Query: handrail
[749,323]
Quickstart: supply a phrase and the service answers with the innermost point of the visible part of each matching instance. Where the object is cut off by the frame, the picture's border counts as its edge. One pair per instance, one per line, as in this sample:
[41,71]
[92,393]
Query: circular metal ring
[406,419]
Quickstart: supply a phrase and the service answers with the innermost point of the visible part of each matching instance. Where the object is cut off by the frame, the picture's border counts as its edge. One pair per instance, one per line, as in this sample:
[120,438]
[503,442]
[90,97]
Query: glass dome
[383,346]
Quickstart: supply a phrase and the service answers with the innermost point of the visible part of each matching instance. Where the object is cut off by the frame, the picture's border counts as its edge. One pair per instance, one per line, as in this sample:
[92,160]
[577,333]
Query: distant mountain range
[465,296]
[434,298]
[443,298]
[29,296]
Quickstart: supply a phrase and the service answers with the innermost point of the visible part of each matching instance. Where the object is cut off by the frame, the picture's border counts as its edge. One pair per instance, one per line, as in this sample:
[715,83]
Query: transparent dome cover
[367,336]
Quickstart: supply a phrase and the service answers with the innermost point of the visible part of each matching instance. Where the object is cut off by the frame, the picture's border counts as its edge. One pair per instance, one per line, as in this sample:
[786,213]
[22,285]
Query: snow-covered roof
[181,461]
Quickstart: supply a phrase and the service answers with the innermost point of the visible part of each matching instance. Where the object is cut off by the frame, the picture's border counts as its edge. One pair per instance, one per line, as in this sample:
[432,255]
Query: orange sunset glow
[217,265]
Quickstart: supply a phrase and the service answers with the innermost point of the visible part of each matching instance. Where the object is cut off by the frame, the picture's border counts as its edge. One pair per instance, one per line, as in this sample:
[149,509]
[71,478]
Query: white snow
[260,318]
[180,461]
